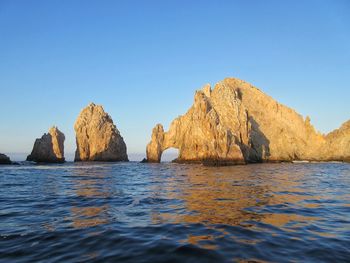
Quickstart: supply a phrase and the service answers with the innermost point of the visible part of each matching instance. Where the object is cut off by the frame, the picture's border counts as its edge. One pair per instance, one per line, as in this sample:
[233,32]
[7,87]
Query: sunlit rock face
[97,138]
[237,123]
[4,159]
[49,148]
[338,144]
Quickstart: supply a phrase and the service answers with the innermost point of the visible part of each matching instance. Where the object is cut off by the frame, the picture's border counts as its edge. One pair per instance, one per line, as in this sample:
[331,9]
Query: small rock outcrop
[97,138]
[237,123]
[4,159]
[49,148]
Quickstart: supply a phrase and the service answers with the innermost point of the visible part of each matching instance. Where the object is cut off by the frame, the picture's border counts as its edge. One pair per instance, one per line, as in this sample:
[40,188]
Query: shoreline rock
[4,159]
[49,148]
[97,138]
[236,123]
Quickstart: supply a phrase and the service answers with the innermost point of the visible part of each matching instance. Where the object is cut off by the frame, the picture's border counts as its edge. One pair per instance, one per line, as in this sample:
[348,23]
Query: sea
[167,212]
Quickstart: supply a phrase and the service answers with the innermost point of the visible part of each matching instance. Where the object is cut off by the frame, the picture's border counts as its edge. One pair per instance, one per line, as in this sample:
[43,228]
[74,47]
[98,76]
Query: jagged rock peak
[49,148]
[207,90]
[97,138]
[236,122]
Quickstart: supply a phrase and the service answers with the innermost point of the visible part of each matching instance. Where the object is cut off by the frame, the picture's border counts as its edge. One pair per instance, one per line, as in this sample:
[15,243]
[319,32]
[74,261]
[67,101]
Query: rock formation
[4,159]
[97,138]
[49,148]
[237,123]
[338,144]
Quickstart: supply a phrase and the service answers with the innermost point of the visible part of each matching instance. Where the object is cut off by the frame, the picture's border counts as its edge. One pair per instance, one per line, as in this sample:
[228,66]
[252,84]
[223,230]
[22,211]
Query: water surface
[131,212]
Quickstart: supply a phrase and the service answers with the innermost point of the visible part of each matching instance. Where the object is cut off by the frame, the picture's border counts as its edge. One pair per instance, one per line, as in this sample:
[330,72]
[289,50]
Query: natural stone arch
[160,142]
[237,123]
[198,135]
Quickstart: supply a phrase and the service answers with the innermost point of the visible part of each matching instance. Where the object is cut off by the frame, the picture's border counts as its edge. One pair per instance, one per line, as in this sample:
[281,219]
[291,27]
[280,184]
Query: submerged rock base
[211,162]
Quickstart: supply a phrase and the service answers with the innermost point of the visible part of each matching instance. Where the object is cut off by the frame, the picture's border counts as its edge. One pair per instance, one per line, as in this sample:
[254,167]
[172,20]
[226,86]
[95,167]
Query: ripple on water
[133,212]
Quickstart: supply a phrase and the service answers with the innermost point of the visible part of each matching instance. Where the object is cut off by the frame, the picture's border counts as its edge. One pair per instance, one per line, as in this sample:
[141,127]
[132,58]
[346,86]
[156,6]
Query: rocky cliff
[338,144]
[4,159]
[97,138]
[49,148]
[237,123]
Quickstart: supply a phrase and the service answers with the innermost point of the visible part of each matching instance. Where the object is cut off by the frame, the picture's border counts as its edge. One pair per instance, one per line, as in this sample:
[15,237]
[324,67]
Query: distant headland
[235,123]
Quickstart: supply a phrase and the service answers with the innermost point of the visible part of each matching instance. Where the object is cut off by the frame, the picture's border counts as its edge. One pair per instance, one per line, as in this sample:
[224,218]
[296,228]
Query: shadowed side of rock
[49,148]
[97,138]
[4,159]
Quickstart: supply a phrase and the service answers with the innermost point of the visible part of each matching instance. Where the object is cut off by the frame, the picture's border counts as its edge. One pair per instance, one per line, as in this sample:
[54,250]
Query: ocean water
[132,212]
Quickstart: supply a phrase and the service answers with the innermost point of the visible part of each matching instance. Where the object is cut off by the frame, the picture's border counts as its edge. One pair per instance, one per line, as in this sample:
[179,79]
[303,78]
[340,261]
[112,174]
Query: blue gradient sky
[143,60]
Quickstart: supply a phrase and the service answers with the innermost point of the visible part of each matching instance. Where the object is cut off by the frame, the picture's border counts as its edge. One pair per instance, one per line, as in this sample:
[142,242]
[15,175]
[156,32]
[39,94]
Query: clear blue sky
[143,60]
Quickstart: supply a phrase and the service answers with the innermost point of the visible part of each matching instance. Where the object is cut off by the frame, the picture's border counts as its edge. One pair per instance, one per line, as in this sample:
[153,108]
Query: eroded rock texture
[237,123]
[338,144]
[49,148]
[97,138]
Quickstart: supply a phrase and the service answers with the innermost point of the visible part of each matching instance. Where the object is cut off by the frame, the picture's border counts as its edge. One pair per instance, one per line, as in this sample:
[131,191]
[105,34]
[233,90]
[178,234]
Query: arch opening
[169,155]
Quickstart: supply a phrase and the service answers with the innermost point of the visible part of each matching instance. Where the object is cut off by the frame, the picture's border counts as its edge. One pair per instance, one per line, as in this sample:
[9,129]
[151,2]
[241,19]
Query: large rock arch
[198,135]
[237,123]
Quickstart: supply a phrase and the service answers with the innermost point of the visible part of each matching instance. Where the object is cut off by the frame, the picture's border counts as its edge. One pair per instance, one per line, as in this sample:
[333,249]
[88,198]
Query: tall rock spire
[97,138]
